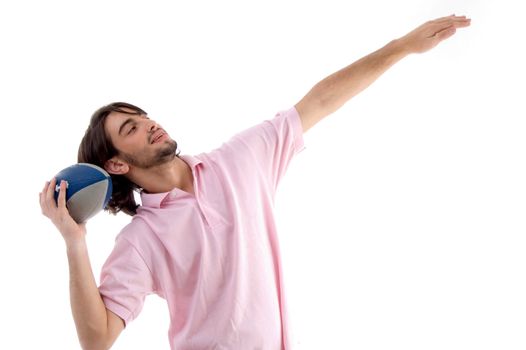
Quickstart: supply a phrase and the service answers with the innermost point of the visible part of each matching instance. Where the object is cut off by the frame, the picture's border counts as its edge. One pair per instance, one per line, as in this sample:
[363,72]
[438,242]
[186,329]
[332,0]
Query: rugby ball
[88,190]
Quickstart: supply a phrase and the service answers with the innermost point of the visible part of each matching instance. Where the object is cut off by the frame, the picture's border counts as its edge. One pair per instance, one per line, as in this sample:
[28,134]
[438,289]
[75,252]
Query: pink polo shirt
[215,256]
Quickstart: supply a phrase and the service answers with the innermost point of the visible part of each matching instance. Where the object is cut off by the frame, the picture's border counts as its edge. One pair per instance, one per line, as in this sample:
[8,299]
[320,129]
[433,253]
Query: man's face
[141,142]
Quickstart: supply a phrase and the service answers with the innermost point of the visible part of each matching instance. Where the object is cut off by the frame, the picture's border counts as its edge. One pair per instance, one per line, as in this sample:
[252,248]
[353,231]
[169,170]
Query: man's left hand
[431,33]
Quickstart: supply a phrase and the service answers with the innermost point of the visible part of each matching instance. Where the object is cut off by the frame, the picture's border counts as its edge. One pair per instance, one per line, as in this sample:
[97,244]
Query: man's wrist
[75,245]
[399,48]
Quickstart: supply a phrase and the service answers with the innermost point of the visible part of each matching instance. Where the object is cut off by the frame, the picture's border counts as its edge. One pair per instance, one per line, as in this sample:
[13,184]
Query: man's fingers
[446,28]
[446,32]
[462,23]
[450,18]
[441,23]
[62,195]
[457,21]
[50,193]
[42,195]
[45,187]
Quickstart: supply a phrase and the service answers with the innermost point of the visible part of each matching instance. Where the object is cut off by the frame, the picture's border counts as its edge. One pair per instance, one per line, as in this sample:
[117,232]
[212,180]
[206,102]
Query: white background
[402,223]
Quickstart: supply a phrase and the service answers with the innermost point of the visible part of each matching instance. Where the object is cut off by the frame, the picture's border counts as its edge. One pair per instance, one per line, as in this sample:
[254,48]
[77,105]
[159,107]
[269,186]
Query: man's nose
[152,125]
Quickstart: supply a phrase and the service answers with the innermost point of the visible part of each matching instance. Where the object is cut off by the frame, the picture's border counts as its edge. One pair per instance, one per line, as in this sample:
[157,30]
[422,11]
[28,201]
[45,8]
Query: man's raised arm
[331,93]
[97,327]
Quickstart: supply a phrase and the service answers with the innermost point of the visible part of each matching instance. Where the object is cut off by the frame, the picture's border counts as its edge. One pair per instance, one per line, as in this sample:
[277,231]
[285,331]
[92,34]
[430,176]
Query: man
[204,237]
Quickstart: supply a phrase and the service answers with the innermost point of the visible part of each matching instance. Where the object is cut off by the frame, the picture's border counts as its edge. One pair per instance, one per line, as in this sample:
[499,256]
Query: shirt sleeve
[125,281]
[272,144]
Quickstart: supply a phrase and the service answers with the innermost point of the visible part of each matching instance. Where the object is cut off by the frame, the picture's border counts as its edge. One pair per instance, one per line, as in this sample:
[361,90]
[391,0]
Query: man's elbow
[95,341]
[93,345]
[103,335]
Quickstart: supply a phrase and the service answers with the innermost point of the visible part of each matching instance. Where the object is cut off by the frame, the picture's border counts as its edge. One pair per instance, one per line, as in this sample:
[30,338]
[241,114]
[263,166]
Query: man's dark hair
[96,148]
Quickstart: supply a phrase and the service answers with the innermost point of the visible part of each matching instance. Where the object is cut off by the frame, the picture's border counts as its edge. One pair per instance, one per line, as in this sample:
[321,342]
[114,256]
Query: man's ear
[116,166]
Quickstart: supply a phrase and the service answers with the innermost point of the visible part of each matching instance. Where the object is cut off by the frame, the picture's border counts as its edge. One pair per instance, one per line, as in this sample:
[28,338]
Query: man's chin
[163,155]
[169,149]
[166,154]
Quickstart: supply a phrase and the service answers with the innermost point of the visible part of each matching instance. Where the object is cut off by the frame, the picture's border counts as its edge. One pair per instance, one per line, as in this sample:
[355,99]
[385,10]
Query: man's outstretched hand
[431,33]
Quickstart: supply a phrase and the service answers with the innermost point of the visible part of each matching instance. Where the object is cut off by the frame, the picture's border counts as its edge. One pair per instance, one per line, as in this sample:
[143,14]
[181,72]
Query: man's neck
[164,177]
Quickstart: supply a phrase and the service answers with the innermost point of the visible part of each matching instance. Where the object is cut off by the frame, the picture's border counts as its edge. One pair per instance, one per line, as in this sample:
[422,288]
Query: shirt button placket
[201,211]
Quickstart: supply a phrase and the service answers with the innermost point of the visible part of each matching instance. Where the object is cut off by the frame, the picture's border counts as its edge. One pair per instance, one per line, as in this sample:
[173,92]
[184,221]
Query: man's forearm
[87,306]
[340,87]
[334,91]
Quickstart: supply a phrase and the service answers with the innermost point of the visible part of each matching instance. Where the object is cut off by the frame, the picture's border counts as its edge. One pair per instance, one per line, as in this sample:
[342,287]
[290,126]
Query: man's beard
[164,155]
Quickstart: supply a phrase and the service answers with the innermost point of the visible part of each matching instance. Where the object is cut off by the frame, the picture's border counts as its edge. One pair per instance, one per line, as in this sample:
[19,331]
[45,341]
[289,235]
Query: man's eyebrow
[129,120]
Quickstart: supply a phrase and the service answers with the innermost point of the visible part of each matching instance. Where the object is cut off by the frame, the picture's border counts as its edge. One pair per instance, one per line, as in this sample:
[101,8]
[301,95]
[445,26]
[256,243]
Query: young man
[204,237]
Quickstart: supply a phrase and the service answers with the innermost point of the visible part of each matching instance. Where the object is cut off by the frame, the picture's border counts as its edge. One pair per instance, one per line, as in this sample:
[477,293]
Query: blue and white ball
[88,190]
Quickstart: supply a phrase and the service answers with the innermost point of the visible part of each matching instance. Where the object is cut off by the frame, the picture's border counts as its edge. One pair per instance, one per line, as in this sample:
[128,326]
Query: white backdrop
[402,223]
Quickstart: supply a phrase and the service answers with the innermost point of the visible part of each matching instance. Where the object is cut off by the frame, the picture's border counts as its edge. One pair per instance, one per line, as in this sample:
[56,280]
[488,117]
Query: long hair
[96,148]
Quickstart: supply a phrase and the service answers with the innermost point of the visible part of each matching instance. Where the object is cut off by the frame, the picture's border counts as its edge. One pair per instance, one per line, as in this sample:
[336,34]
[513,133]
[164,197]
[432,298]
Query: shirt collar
[154,200]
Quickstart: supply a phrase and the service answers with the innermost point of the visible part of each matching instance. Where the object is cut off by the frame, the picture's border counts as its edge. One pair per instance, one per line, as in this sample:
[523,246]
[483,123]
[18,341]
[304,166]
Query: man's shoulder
[136,230]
